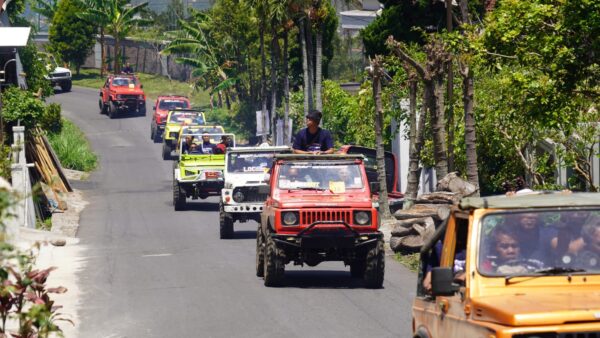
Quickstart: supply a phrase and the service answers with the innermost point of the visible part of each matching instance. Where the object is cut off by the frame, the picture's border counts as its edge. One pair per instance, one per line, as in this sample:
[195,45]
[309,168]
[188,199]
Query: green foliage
[240,120]
[411,261]
[35,69]
[21,105]
[46,8]
[72,148]
[5,163]
[70,37]
[51,118]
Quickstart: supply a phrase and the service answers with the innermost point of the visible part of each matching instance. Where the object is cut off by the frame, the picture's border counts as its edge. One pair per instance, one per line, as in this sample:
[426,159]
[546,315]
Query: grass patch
[72,148]
[410,261]
[154,85]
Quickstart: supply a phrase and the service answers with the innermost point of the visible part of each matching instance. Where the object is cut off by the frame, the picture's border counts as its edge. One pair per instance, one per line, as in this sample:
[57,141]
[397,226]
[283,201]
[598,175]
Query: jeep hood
[538,308]
[60,70]
[325,199]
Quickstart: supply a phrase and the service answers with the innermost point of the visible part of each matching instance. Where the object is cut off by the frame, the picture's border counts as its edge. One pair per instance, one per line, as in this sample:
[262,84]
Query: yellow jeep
[176,119]
[519,266]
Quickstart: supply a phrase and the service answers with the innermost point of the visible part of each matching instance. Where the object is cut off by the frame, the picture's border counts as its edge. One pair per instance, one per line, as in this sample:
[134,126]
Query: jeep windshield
[186,117]
[172,104]
[123,82]
[249,163]
[540,243]
[321,176]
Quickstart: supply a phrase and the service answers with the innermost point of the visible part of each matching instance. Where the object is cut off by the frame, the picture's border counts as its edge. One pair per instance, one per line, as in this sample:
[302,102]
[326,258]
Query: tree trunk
[384,206]
[415,143]
[263,83]
[438,125]
[319,69]
[450,94]
[286,89]
[311,65]
[305,75]
[117,67]
[102,53]
[274,61]
[470,135]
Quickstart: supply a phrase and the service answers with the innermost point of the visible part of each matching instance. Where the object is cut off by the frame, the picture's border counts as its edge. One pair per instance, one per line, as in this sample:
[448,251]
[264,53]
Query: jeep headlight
[238,196]
[290,218]
[362,218]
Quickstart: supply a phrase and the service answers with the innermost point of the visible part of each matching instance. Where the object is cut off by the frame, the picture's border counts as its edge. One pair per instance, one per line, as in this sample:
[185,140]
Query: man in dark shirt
[207,146]
[313,139]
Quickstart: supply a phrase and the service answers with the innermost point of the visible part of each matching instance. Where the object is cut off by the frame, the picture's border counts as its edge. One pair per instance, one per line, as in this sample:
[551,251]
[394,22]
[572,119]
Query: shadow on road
[199,206]
[244,234]
[322,279]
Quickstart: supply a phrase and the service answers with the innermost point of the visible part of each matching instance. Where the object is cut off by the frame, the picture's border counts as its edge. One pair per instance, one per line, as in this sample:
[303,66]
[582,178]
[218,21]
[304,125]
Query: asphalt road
[152,272]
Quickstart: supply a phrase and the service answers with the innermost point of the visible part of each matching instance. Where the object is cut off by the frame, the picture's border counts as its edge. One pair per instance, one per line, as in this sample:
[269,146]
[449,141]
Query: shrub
[21,105]
[72,148]
[51,119]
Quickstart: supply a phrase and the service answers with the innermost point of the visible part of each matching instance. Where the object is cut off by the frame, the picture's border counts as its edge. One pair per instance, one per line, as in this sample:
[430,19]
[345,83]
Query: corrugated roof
[14,36]
[533,200]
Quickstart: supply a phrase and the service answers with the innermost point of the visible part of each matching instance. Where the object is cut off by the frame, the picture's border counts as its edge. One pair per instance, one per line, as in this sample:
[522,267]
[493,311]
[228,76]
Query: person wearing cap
[313,139]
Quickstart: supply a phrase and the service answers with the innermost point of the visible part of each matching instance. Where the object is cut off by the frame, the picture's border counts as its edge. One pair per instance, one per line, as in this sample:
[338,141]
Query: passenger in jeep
[313,139]
[504,253]
[185,147]
[207,146]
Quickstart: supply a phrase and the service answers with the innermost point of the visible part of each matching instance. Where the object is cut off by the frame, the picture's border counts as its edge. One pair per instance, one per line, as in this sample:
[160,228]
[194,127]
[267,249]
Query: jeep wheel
[143,111]
[66,86]
[152,133]
[260,253]
[375,266]
[102,107]
[178,196]
[274,264]
[226,224]
[166,151]
[112,110]
[357,268]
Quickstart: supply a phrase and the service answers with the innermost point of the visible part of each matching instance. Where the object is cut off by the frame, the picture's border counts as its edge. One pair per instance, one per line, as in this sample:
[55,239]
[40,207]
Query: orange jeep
[319,208]
[122,93]
[522,266]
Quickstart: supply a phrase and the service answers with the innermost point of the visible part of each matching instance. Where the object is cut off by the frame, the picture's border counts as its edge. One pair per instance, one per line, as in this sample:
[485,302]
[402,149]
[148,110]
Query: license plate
[212,174]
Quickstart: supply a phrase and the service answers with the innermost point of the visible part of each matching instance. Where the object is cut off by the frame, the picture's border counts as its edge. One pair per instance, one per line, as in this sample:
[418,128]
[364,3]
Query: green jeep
[198,173]
[176,119]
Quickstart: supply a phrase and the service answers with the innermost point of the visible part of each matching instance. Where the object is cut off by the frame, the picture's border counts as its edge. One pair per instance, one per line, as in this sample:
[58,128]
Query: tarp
[533,200]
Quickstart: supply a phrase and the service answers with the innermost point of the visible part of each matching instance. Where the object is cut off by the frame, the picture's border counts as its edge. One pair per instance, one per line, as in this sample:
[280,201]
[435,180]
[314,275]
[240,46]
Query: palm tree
[200,53]
[46,8]
[122,17]
[97,14]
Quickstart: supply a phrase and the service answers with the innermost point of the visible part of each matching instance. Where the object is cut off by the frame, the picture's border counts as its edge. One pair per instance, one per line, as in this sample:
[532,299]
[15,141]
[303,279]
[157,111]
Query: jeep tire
[152,132]
[178,196]
[65,86]
[142,110]
[112,110]
[225,224]
[260,253]
[274,264]
[102,107]
[166,151]
[357,268]
[375,266]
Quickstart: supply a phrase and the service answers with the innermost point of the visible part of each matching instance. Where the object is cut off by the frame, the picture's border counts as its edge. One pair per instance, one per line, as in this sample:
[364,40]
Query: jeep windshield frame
[250,162]
[539,242]
[180,116]
[336,176]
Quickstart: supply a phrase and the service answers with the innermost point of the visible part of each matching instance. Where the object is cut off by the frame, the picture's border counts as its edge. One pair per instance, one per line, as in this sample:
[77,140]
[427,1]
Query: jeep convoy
[319,208]
[241,198]
[161,108]
[174,121]
[122,94]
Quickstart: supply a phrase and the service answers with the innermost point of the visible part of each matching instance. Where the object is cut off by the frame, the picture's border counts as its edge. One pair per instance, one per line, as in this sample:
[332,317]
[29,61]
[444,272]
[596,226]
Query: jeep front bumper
[130,104]
[243,208]
[313,238]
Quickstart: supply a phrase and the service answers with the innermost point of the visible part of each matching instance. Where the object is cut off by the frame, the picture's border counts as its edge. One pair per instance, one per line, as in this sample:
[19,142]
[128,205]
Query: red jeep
[162,106]
[122,93]
[319,208]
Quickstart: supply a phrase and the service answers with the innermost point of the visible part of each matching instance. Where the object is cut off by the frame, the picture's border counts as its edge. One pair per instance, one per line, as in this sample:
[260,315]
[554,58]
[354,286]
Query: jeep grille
[310,216]
[59,74]
[129,97]
[251,194]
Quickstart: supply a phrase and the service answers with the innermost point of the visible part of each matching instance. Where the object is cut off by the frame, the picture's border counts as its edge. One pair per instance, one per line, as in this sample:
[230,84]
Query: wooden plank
[57,164]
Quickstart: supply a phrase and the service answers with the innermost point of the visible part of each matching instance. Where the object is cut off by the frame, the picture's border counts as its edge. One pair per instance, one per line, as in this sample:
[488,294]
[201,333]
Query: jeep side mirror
[442,282]
[374,187]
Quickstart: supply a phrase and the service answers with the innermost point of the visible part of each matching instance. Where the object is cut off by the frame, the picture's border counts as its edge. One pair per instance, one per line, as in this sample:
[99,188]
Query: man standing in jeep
[313,139]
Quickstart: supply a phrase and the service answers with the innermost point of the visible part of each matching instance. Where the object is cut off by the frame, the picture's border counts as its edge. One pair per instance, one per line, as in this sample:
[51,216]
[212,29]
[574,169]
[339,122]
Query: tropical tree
[46,8]
[71,38]
[96,13]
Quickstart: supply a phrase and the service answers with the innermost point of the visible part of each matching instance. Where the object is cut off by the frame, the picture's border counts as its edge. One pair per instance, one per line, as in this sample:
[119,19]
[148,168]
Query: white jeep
[58,76]
[241,198]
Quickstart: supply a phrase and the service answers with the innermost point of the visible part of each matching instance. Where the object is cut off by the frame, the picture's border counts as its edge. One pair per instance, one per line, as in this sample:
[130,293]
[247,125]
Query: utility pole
[450,94]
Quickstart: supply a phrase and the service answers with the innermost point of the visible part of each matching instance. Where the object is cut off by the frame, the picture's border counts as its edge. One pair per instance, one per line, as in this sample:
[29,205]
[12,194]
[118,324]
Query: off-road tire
[274,264]
[102,107]
[166,151]
[65,86]
[179,201]
[375,266]
[152,133]
[143,111]
[225,224]
[357,268]
[260,253]
[112,110]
